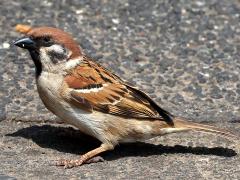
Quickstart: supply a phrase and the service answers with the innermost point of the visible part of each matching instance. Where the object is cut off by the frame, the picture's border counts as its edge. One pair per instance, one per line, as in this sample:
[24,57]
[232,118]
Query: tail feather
[183,125]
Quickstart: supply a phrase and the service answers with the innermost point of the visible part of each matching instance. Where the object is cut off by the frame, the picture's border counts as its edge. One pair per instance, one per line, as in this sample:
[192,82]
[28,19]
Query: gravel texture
[183,53]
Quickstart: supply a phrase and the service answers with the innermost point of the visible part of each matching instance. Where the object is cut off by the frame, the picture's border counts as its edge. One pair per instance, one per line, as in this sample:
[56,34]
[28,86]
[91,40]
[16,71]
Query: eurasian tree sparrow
[86,95]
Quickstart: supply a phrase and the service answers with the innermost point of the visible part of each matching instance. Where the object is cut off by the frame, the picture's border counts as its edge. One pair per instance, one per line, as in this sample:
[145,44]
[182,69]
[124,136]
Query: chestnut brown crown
[58,36]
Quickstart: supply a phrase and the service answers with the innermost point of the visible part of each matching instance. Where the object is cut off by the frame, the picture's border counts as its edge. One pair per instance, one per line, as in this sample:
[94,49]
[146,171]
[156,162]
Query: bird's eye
[46,39]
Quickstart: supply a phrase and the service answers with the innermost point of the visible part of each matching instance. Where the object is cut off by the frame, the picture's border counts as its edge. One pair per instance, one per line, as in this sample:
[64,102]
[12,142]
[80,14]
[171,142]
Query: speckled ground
[184,53]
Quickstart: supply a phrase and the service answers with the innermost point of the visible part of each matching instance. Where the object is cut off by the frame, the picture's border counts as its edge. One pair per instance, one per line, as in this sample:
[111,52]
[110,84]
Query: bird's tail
[184,125]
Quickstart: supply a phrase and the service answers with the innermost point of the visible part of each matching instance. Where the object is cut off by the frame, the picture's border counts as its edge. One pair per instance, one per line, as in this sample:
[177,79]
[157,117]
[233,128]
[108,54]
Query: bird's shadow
[67,139]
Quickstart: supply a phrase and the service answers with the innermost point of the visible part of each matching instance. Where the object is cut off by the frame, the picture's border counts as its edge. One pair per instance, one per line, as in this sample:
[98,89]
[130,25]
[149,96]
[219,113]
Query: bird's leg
[85,157]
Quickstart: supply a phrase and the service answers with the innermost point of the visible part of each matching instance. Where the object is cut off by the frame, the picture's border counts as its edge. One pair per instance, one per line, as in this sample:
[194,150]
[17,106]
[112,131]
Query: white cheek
[56,48]
[44,52]
[44,55]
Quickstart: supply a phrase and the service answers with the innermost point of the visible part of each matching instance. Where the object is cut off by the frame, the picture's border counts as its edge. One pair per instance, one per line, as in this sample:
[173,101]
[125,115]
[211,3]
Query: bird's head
[49,47]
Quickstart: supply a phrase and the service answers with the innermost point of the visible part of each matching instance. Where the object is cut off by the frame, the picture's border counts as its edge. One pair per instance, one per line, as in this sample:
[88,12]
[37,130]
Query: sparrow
[81,92]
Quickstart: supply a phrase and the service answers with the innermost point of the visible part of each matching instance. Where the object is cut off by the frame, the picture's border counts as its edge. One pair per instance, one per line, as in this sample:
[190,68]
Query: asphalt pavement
[185,54]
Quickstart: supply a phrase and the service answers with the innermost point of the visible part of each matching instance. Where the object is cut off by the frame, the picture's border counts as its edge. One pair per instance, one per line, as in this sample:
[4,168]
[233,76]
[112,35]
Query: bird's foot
[70,163]
[95,159]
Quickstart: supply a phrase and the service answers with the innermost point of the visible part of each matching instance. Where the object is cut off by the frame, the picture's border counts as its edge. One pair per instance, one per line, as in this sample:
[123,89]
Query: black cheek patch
[56,57]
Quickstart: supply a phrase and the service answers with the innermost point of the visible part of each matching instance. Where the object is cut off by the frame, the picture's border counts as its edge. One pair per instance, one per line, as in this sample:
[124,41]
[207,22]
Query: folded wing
[95,88]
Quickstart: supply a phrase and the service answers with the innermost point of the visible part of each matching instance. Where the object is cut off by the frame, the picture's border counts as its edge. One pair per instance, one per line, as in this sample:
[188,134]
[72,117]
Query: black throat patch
[38,65]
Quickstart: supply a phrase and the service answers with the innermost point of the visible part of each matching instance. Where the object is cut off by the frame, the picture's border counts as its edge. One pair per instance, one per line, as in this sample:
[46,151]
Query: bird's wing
[92,87]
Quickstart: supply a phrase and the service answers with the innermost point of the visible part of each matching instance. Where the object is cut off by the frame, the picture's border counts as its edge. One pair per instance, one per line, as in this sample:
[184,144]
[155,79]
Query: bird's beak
[25,43]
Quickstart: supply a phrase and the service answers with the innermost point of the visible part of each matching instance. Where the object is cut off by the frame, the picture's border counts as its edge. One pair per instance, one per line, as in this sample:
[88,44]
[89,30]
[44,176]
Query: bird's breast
[50,87]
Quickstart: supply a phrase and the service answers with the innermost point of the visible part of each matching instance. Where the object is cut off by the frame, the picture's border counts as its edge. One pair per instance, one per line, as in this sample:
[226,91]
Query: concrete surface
[184,53]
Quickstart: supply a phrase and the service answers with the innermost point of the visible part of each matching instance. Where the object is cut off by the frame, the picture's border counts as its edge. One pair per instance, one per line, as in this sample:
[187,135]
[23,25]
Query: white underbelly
[84,121]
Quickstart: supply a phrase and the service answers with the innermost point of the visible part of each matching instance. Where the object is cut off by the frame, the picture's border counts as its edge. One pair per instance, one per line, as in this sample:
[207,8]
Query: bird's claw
[95,160]
[66,163]
[70,163]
